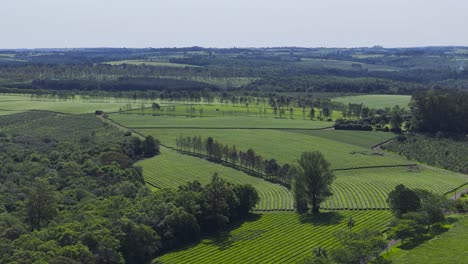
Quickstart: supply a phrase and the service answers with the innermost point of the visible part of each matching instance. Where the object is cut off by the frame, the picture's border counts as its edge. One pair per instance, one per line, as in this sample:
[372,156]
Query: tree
[139,244]
[150,146]
[216,203]
[359,247]
[312,113]
[209,146]
[396,120]
[248,198]
[312,180]
[41,205]
[404,230]
[403,200]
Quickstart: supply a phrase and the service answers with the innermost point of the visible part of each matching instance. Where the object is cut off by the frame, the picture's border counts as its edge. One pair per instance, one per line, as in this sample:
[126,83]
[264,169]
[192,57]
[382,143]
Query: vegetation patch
[274,237]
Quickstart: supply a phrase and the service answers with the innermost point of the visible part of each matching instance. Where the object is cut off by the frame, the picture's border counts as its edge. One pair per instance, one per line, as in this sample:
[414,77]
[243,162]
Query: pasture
[283,146]
[344,65]
[148,121]
[376,101]
[171,169]
[149,63]
[277,238]
[10,104]
[236,110]
[450,247]
[363,139]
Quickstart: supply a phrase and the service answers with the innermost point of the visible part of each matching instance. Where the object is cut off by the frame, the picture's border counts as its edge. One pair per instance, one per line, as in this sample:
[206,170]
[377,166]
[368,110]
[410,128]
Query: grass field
[229,110]
[363,139]
[343,65]
[148,121]
[21,103]
[450,247]
[149,63]
[376,101]
[171,169]
[277,238]
[282,145]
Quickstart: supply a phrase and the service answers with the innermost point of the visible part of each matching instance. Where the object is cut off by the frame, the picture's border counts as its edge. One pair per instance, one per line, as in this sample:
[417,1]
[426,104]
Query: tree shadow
[436,230]
[225,239]
[324,218]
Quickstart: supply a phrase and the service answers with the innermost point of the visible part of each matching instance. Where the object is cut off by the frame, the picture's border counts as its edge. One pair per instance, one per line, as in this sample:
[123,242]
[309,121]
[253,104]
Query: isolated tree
[312,180]
[403,200]
[41,205]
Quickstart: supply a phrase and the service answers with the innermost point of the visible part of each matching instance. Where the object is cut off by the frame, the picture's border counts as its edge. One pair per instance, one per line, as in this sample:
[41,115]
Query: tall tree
[312,180]
[403,200]
[41,205]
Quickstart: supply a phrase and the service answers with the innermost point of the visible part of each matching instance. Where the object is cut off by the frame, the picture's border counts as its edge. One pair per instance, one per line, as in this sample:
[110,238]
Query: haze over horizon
[243,23]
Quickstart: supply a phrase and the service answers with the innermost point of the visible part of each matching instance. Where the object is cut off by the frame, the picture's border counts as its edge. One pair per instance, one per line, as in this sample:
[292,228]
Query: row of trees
[250,160]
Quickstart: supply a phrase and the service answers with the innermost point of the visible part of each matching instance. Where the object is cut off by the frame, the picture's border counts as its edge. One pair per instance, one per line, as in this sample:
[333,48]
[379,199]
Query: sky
[232,23]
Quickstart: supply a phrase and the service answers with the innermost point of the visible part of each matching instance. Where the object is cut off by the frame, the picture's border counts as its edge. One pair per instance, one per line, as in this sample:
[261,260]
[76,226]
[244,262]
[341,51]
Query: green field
[369,188]
[22,103]
[229,110]
[344,65]
[376,101]
[171,169]
[277,238]
[363,139]
[282,145]
[450,247]
[150,63]
[148,121]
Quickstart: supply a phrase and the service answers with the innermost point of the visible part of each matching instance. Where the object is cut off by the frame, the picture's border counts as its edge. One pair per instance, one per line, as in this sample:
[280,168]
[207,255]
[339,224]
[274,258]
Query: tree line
[247,160]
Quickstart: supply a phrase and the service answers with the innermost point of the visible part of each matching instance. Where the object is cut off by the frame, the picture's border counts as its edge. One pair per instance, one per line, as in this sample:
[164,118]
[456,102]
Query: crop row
[171,169]
[277,238]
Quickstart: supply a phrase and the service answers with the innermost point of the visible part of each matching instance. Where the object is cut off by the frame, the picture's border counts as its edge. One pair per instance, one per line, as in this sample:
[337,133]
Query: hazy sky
[232,23]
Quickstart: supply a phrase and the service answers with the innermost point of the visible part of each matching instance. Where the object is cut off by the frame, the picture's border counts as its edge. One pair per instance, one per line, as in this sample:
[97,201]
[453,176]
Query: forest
[71,194]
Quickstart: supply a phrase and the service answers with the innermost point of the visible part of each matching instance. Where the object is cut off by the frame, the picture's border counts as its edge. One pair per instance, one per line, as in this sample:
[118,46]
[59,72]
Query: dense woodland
[69,193]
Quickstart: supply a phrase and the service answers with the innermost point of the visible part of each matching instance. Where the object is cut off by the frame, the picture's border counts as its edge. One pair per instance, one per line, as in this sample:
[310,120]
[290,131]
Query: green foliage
[150,146]
[171,169]
[403,200]
[375,101]
[266,234]
[449,247]
[287,145]
[434,111]
[41,204]
[313,180]
[359,247]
